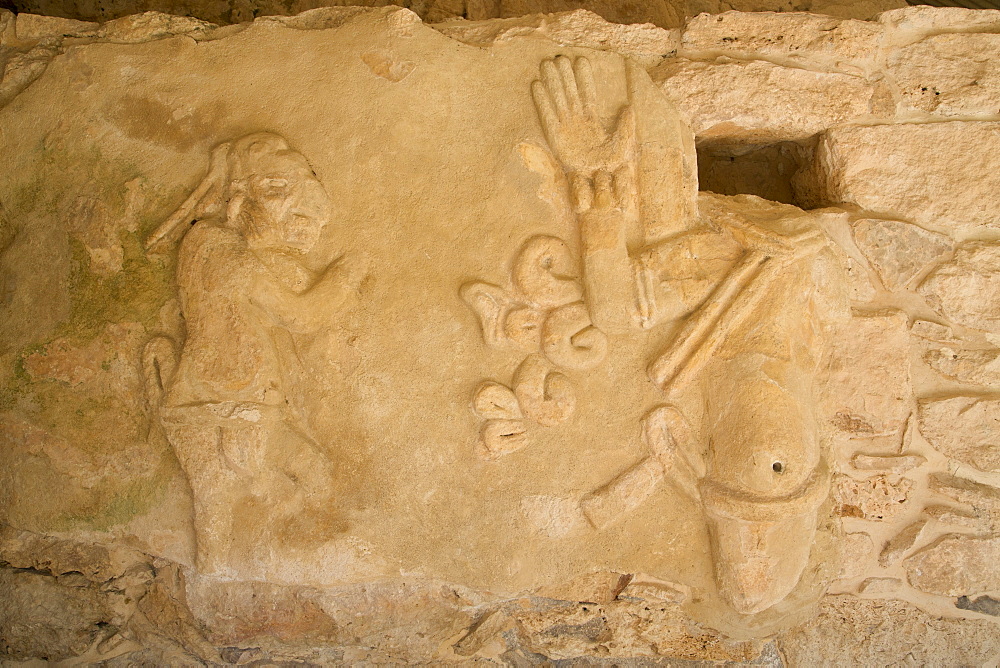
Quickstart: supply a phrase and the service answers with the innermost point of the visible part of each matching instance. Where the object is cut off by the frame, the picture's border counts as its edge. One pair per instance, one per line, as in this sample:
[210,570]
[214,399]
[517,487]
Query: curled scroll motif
[545,395]
[569,339]
[542,314]
[546,273]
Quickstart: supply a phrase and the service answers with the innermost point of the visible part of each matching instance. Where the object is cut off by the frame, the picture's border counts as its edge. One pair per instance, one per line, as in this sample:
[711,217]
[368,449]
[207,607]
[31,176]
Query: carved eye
[273,186]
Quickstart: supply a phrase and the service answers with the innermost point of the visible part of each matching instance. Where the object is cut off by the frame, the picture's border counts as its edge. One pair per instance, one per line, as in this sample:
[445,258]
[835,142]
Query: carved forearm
[309,310]
[608,274]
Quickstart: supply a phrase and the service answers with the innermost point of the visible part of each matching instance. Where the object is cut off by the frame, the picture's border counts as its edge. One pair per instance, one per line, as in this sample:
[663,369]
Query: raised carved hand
[565,98]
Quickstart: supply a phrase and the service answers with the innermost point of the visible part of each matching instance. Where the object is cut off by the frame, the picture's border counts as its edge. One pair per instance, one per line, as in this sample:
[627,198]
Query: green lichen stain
[116,502]
[94,424]
[134,294]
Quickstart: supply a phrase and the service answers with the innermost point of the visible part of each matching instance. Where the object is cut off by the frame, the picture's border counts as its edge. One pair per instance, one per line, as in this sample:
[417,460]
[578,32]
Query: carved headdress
[221,193]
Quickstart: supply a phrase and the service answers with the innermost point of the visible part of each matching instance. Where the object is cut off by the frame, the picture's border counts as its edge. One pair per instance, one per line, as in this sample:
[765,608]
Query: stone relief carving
[737,429]
[543,315]
[252,277]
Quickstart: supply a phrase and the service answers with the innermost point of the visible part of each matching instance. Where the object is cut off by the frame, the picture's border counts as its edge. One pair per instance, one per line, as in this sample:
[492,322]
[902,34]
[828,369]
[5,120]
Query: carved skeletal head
[274,198]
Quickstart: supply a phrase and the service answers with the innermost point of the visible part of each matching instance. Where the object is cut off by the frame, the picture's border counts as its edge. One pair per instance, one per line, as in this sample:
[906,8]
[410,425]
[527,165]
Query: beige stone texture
[908,172]
[758,102]
[647,44]
[964,290]
[949,74]
[795,39]
[973,367]
[963,428]
[870,375]
[899,252]
[876,499]
[956,566]
[849,630]
[345,339]
[918,21]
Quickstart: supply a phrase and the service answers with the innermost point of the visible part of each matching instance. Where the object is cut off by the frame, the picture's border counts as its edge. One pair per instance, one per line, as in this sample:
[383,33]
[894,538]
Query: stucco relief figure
[253,277]
[737,430]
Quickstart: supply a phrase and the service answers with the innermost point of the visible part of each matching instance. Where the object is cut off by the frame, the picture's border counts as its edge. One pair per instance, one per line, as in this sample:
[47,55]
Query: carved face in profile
[275,198]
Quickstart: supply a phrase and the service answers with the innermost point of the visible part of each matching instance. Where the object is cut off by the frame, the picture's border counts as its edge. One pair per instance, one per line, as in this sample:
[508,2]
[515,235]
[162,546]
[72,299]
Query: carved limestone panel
[379,311]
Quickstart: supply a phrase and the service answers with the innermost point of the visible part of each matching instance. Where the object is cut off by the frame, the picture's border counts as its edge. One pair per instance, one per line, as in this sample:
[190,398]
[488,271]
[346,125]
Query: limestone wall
[499,384]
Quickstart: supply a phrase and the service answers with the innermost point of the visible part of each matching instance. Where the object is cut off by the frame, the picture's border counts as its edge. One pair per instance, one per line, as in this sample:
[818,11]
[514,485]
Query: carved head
[274,198]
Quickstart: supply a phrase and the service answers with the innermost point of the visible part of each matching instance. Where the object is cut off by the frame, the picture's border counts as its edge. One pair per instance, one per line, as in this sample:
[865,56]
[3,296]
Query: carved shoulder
[208,246]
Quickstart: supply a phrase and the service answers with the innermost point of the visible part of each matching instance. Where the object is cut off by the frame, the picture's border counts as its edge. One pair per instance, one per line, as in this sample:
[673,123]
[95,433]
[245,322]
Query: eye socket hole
[777,467]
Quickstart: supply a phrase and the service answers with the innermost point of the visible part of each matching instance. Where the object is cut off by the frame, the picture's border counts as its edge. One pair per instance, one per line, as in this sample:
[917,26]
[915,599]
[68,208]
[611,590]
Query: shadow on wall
[766,171]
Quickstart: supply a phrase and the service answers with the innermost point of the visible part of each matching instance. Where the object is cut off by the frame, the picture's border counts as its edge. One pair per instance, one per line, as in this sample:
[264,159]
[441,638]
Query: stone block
[967,289]
[915,172]
[899,252]
[33,27]
[963,428]
[949,74]
[956,566]
[758,102]
[795,38]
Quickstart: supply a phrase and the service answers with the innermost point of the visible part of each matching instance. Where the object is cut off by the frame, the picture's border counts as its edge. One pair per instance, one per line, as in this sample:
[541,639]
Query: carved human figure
[738,432]
[252,278]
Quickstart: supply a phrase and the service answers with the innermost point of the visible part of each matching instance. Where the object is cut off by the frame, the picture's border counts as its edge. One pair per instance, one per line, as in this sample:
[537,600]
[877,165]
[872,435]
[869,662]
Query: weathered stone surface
[39,618]
[400,344]
[30,27]
[909,172]
[870,375]
[759,102]
[898,251]
[950,74]
[806,40]
[974,367]
[852,631]
[964,428]
[956,566]
[973,504]
[857,554]
[919,21]
[965,289]
[645,43]
[876,499]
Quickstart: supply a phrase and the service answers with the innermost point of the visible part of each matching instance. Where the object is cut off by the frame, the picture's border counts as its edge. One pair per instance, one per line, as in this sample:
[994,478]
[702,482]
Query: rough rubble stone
[956,566]
[963,428]
[804,40]
[898,251]
[909,172]
[880,498]
[852,631]
[974,367]
[759,102]
[965,290]
[949,75]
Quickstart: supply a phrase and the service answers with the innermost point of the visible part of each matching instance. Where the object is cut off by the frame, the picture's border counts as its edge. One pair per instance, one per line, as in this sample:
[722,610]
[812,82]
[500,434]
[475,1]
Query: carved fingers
[565,96]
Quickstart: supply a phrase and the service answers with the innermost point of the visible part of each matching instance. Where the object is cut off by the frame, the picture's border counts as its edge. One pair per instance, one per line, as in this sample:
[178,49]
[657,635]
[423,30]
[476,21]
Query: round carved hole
[777,467]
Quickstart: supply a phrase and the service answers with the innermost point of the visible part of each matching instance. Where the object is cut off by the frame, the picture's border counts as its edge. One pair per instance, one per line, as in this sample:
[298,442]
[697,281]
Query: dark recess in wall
[766,171]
